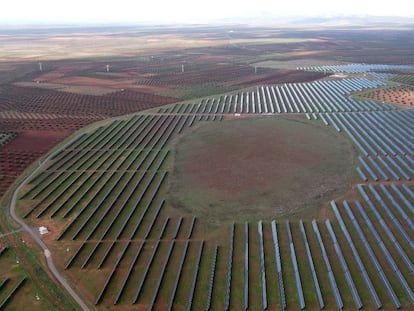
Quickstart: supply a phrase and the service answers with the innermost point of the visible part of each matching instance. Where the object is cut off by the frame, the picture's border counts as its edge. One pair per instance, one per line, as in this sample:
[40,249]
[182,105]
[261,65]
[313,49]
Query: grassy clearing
[251,169]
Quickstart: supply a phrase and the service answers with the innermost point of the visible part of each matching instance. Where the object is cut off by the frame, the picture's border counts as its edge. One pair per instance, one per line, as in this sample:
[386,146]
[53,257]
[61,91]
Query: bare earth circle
[262,168]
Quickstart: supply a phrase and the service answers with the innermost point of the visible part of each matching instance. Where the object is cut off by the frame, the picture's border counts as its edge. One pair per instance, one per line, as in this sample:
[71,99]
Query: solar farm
[213,169]
[118,236]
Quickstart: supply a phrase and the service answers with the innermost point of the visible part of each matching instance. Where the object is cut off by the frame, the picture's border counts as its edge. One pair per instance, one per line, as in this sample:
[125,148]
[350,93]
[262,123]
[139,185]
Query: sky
[189,11]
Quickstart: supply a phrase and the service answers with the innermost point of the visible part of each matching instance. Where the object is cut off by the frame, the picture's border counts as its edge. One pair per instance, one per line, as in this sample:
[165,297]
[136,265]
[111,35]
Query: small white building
[43,230]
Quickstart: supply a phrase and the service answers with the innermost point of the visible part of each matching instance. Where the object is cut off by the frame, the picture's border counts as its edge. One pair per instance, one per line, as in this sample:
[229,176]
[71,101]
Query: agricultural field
[398,95]
[205,175]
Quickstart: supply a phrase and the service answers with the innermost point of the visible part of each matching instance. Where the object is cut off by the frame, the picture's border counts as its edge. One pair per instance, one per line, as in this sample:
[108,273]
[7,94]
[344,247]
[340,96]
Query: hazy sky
[189,11]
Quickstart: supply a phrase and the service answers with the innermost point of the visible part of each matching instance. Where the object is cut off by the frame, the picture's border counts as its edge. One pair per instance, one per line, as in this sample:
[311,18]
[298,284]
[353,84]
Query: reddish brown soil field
[402,96]
[23,150]
[35,140]
[37,100]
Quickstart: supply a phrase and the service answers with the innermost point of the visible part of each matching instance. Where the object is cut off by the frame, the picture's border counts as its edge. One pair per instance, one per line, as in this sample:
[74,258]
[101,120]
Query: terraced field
[123,243]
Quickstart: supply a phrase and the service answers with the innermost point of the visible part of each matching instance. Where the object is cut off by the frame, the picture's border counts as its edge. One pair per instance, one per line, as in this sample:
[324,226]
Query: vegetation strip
[262,265]
[211,280]
[111,274]
[178,276]
[315,281]
[195,275]
[129,272]
[282,294]
[331,276]
[295,268]
[146,270]
[229,269]
[162,274]
[344,266]
[246,267]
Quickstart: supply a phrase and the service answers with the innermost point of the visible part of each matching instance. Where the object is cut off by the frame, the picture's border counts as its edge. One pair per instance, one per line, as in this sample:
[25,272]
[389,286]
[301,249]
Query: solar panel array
[356,68]
[156,260]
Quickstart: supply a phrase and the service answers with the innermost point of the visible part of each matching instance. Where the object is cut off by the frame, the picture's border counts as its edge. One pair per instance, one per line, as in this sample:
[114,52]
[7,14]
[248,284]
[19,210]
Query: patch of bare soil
[35,141]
